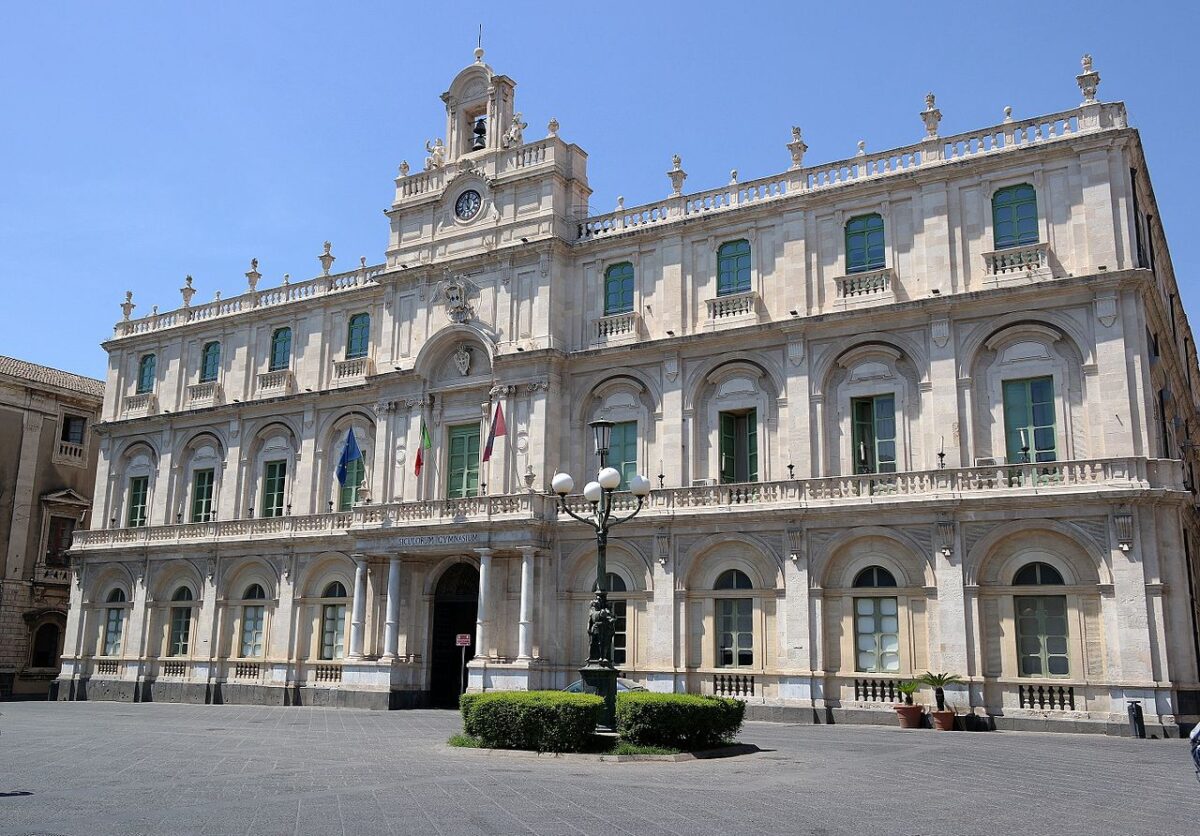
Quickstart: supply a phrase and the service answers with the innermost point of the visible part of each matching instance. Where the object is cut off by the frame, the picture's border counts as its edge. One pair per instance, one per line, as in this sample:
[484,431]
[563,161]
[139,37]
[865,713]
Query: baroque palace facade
[928,408]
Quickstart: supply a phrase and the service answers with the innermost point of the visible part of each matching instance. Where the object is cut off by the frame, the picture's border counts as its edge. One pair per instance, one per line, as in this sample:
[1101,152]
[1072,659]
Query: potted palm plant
[909,714]
[943,718]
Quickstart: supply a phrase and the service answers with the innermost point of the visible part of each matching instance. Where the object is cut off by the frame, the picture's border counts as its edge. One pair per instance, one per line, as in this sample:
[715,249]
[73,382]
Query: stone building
[47,470]
[924,408]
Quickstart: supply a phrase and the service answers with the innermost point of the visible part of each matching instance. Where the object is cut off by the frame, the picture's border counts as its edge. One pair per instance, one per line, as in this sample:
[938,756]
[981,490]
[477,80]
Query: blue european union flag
[349,453]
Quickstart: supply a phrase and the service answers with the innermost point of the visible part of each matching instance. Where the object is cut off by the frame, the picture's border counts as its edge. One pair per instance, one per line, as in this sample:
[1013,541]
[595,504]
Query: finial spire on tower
[479,46]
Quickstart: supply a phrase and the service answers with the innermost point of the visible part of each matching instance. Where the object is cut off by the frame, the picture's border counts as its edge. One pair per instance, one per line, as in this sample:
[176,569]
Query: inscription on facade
[438,540]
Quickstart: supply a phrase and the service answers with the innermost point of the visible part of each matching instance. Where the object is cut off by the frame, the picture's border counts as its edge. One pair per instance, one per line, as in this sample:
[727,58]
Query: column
[391,635]
[481,612]
[358,612]
[524,635]
[24,506]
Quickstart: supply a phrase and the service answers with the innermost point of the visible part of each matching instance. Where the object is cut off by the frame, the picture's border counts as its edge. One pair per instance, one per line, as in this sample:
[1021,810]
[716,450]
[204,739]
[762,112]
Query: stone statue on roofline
[514,136]
[437,154]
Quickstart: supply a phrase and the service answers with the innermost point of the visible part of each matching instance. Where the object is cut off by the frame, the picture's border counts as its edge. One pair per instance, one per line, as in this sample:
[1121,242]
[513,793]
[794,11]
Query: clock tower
[486,185]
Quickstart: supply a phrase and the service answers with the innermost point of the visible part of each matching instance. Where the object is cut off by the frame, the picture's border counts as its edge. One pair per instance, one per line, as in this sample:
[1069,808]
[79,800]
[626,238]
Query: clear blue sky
[146,141]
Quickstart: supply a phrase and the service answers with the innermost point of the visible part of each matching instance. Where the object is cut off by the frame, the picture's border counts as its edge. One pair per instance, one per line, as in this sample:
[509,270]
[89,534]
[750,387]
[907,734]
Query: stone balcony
[616,328]
[70,453]
[354,370]
[135,406]
[871,287]
[276,383]
[1013,265]
[1047,479]
[204,394]
[733,309]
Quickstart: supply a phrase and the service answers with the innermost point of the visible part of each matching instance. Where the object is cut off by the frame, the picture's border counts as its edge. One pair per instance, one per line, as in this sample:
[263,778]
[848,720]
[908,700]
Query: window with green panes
[281,349]
[210,362]
[114,626]
[181,627]
[358,336]
[333,631]
[1029,420]
[274,483]
[733,267]
[139,486]
[1042,635]
[145,378]
[864,243]
[348,493]
[618,289]
[735,632]
[874,434]
[1014,216]
[739,446]
[876,635]
[253,619]
[622,451]
[202,495]
[463,476]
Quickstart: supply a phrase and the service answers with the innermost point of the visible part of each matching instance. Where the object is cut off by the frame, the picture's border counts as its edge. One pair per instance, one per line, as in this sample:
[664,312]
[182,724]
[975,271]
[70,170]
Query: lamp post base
[601,680]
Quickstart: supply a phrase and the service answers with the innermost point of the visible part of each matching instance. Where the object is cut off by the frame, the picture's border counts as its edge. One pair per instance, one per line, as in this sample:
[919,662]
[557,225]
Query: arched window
[1037,574]
[618,289]
[735,622]
[281,349]
[733,267]
[874,576]
[145,378]
[1014,216]
[114,623]
[864,243]
[620,611]
[210,361]
[45,647]
[180,634]
[253,622]
[1041,624]
[333,623]
[876,624]
[733,579]
[358,335]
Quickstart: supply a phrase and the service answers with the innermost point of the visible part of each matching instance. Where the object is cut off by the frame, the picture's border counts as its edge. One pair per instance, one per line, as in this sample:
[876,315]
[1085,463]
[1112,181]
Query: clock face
[467,205]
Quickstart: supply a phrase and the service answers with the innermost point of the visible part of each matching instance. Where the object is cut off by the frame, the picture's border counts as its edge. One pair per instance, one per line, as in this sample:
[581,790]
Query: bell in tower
[480,134]
[479,110]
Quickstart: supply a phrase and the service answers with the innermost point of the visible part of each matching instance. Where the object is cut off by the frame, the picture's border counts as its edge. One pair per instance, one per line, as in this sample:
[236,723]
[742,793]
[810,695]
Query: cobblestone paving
[109,768]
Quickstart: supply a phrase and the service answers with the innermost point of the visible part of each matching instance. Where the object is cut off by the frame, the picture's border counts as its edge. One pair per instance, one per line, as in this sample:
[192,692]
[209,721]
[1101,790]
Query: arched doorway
[454,607]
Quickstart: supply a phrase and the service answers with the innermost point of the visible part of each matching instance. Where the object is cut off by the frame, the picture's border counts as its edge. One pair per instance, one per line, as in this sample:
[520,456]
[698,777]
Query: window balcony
[204,394]
[1017,265]
[70,453]
[354,370]
[172,669]
[616,328]
[145,403]
[273,384]
[860,290]
[733,309]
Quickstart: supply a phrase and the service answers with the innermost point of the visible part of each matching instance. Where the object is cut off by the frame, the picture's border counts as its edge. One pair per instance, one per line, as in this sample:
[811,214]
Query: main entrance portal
[454,602]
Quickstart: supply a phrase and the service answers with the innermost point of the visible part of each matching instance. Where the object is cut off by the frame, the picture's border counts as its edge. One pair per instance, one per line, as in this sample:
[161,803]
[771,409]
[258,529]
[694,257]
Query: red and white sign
[462,640]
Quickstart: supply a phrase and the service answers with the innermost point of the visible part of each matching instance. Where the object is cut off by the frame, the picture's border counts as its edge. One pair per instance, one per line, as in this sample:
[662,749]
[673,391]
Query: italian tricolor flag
[423,445]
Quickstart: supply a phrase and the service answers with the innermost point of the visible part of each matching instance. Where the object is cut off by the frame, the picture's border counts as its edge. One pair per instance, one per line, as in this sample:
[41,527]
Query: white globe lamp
[562,484]
[609,478]
[592,491]
[639,485]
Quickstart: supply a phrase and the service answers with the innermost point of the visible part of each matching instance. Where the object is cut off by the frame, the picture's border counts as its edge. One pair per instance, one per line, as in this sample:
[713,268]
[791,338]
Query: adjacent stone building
[923,408]
[47,471]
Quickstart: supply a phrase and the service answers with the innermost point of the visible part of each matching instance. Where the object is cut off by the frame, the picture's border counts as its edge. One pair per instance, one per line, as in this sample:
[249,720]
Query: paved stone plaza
[107,768]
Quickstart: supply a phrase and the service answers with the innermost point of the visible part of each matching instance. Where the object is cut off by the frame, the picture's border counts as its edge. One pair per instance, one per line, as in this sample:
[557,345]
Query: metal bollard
[1137,724]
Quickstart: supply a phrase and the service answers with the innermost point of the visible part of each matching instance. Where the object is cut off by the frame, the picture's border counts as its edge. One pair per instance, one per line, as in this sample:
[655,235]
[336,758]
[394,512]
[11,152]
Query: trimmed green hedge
[678,721]
[544,721]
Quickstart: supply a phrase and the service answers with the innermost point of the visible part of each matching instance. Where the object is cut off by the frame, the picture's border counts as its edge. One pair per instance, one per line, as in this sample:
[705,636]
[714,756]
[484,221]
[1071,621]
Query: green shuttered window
[463,477]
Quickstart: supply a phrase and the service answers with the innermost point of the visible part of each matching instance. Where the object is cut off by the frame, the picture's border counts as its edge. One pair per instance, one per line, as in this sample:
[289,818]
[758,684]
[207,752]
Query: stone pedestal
[602,681]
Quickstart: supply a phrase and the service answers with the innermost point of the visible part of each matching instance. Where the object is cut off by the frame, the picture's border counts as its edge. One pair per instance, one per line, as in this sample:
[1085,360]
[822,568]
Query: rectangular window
[1014,216]
[874,434]
[733,267]
[876,635]
[145,378]
[1042,635]
[1164,437]
[138,488]
[864,244]
[620,611]
[281,349]
[274,482]
[202,495]
[114,626]
[210,362]
[1029,427]
[72,429]
[463,479]
[181,629]
[739,446]
[348,493]
[59,539]
[358,336]
[333,631]
[735,632]
[622,451]
[618,289]
[252,631]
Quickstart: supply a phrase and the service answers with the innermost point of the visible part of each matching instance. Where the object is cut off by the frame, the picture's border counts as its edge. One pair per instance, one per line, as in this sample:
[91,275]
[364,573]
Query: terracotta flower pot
[909,716]
[943,720]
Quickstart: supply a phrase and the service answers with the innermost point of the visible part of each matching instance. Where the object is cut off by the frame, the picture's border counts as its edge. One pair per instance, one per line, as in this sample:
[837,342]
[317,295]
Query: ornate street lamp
[599,675]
